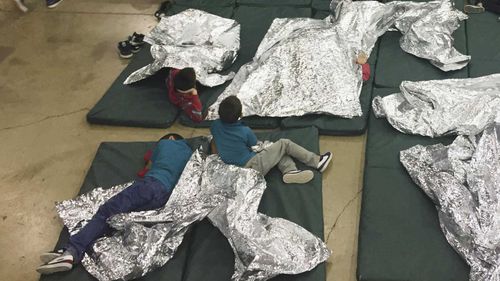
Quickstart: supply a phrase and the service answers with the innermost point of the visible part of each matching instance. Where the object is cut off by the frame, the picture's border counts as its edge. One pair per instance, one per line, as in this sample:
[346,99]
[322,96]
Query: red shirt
[189,103]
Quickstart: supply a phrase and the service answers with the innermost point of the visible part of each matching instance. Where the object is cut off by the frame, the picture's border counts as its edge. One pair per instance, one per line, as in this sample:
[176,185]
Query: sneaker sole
[47,257]
[54,5]
[302,177]
[473,9]
[53,268]
[124,56]
[326,164]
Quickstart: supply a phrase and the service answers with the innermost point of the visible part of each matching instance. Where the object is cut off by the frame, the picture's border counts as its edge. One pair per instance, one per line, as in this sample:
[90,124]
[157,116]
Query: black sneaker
[125,49]
[324,160]
[48,256]
[53,3]
[62,263]
[136,39]
[162,11]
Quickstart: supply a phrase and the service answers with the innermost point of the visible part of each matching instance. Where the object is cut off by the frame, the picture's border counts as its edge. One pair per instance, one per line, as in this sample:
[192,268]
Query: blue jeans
[144,194]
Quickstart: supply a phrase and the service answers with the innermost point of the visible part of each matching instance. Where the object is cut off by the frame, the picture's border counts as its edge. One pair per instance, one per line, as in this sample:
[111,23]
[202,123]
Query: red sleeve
[194,109]
[148,155]
[173,96]
[366,71]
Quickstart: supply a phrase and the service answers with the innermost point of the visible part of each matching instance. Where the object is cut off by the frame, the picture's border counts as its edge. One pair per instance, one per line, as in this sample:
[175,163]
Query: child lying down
[147,193]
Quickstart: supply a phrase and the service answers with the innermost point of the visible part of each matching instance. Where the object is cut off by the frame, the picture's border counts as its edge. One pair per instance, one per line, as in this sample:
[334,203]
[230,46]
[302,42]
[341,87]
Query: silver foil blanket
[463,180]
[264,247]
[193,38]
[308,66]
[442,107]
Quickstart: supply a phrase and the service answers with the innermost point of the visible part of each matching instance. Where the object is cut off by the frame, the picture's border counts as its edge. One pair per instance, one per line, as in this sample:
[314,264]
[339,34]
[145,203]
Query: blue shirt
[169,159]
[233,142]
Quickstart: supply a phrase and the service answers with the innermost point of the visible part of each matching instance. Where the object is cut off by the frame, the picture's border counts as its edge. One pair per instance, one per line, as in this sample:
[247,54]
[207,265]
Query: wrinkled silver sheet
[442,107]
[308,66]
[463,180]
[193,38]
[263,246]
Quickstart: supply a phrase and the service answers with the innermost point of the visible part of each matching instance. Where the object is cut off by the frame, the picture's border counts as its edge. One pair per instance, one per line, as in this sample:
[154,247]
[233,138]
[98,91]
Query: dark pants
[143,194]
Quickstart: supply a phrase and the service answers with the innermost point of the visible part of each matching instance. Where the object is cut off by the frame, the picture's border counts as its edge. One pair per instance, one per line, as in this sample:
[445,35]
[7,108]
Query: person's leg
[144,194]
[278,154]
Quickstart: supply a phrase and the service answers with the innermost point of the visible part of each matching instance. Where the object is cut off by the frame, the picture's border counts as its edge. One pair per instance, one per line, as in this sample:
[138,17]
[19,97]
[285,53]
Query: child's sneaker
[62,263]
[53,3]
[324,160]
[21,6]
[474,9]
[136,39]
[298,176]
[46,257]
[125,49]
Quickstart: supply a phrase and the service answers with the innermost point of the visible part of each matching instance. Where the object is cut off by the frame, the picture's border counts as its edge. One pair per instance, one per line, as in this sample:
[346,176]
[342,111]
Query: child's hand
[194,92]
[362,58]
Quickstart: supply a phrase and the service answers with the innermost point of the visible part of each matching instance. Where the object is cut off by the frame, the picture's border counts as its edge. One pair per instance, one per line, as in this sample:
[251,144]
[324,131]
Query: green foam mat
[394,65]
[483,41]
[399,234]
[117,163]
[211,258]
[142,104]
[270,3]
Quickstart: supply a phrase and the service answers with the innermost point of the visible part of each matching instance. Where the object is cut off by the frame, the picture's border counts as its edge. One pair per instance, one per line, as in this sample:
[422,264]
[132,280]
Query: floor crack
[44,119]
[341,213]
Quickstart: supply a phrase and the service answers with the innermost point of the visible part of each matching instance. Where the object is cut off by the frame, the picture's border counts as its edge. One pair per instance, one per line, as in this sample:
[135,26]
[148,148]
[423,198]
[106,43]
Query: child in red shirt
[183,94]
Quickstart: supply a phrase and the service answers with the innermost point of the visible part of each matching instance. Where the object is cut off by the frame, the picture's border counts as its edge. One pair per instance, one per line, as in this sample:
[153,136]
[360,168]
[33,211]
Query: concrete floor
[54,66]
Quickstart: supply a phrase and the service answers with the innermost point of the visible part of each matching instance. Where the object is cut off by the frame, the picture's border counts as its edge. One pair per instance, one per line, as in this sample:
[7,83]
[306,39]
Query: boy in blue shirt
[233,141]
[168,160]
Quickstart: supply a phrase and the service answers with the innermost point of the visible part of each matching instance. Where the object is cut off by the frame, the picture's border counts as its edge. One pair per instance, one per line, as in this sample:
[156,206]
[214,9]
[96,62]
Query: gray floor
[54,66]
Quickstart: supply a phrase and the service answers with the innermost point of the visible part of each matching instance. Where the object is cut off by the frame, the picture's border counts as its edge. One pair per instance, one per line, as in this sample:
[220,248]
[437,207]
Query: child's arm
[251,138]
[193,108]
[366,71]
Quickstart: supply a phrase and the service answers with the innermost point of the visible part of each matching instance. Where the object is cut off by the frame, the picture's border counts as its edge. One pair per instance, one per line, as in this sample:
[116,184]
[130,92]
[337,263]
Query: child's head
[171,136]
[185,80]
[230,109]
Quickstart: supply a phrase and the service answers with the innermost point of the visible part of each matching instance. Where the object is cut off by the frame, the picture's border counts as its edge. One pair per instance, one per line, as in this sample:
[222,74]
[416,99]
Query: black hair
[185,79]
[176,136]
[230,109]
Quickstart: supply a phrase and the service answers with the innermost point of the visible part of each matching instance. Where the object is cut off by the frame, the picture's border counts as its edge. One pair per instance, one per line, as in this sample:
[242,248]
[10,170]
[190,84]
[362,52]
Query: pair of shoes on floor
[162,11]
[129,47]
[55,261]
[474,9]
[304,176]
[50,4]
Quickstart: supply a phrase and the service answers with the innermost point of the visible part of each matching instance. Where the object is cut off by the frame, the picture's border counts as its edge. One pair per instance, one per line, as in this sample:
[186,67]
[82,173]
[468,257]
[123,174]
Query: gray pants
[279,153]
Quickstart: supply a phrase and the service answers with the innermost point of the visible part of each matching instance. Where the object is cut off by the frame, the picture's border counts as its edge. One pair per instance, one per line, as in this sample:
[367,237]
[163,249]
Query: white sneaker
[324,160]
[62,263]
[298,176]
[21,6]
[48,256]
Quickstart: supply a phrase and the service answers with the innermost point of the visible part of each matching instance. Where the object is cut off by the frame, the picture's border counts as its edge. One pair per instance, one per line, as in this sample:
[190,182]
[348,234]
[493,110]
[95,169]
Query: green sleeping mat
[205,253]
[394,65]
[483,43]
[210,257]
[337,126]
[143,104]
[270,3]
[117,163]
[399,233]
[255,22]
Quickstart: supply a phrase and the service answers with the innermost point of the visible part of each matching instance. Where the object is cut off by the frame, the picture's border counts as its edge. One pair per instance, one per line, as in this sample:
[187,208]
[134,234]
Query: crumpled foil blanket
[442,107]
[193,38]
[307,66]
[263,246]
[463,180]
